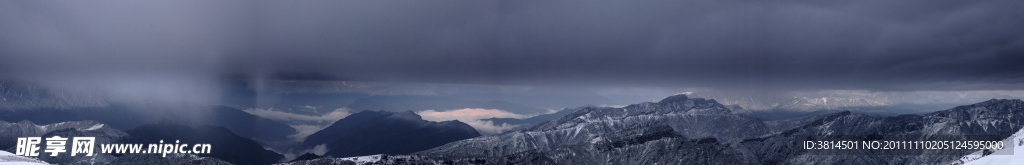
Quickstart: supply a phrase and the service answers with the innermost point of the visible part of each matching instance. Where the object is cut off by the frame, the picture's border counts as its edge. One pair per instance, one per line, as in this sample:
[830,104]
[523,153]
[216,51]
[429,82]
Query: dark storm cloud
[875,45]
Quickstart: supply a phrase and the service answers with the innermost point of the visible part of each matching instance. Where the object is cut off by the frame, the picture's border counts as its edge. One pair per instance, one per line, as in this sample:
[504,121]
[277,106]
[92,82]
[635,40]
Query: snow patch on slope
[94,127]
[1013,153]
[363,159]
[7,157]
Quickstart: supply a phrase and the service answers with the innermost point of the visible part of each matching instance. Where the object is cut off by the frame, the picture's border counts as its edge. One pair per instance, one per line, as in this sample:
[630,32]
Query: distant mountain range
[694,118]
[680,129]
[20,96]
[649,142]
[382,132]
[785,105]
[645,133]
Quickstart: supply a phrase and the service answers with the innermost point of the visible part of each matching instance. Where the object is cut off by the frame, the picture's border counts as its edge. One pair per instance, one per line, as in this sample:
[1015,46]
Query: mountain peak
[680,98]
[383,132]
[674,98]
[460,125]
[306,156]
[995,108]
[26,122]
[996,101]
[407,115]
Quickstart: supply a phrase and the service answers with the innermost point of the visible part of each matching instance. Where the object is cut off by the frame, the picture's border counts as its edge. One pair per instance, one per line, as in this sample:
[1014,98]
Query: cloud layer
[872,45]
[304,125]
[472,117]
[336,115]
[467,113]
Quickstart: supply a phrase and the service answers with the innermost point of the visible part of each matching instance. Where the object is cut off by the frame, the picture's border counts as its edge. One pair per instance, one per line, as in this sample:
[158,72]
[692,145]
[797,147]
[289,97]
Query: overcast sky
[864,45]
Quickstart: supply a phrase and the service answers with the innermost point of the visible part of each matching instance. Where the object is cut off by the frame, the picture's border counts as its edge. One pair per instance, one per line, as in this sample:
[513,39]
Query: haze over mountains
[678,128]
[526,81]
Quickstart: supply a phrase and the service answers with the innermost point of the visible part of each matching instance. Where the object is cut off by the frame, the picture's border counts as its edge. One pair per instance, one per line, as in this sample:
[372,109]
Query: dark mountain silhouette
[248,125]
[306,156]
[381,132]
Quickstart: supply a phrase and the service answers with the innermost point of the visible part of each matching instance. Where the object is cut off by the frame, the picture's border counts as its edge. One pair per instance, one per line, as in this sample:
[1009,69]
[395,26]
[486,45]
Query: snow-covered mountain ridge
[568,140]
[693,118]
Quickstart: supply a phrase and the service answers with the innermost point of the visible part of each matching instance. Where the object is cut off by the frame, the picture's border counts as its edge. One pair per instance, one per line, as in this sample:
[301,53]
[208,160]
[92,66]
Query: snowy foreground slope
[370,159]
[1013,153]
[10,158]
[190,159]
